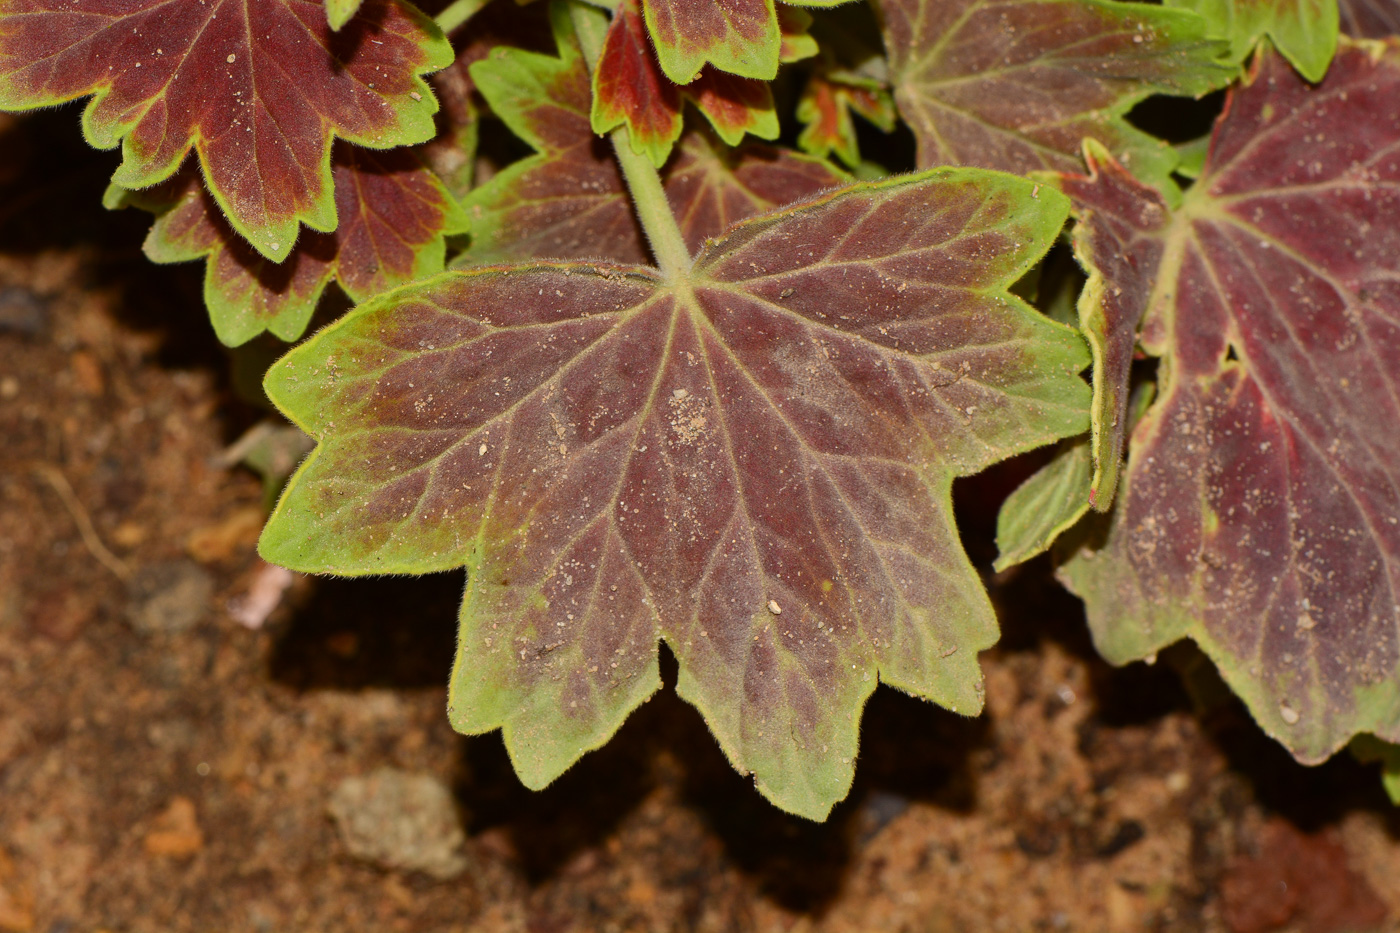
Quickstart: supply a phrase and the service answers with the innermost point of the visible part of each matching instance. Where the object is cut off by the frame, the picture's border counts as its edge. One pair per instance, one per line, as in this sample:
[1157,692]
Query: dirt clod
[1299,879]
[400,820]
[170,597]
[176,832]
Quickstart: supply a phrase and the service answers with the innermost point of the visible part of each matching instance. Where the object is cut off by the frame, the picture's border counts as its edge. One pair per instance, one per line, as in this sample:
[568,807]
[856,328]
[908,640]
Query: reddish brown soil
[179,781]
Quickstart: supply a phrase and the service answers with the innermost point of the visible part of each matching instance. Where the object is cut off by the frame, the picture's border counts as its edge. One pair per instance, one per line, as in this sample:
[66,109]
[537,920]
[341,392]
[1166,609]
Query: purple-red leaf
[258,90]
[393,213]
[569,201]
[752,461]
[1018,84]
[1260,510]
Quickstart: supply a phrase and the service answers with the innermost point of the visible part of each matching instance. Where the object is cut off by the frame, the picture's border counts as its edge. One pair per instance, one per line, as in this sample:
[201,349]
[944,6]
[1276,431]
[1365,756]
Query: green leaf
[1017,85]
[1259,513]
[1305,31]
[752,461]
[1369,749]
[339,12]
[258,90]
[1054,498]
[394,214]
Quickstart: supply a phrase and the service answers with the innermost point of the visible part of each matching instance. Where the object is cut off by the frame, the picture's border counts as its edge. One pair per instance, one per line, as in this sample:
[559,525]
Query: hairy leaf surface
[258,90]
[394,214]
[1018,84]
[752,461]
[1369,19]
[569,200]
[1305,31]
[1260,509]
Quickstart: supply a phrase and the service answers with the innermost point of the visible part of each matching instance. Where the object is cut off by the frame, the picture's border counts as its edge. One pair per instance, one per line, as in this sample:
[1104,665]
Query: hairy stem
[643,182]
[458,13]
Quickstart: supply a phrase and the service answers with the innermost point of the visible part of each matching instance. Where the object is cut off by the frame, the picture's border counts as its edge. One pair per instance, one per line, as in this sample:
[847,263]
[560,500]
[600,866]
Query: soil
[166,767]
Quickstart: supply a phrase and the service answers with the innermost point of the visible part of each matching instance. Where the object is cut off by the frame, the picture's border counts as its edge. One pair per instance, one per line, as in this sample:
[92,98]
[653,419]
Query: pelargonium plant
[650,336]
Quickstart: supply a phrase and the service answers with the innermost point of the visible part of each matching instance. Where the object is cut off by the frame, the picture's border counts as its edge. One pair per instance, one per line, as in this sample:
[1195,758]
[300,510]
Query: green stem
[643,182]
[458,13]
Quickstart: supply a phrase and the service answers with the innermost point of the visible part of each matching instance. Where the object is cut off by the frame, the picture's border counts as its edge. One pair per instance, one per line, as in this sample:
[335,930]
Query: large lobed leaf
[752,462]
[1260,510]
[258,90]
[394,217]
[1017,85]
[569,202]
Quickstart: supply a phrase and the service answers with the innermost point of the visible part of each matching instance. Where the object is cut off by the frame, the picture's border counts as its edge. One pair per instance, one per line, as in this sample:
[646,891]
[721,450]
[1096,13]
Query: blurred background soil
[166,767]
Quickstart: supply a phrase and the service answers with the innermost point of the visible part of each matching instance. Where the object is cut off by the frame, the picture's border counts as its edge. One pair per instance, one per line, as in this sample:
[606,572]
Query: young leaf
[1305,31]
[1260,509]
[1018,84]
[752,461]
[569,201]
[1118,238]
[1369,19]
[393,213]
[738,36]
[339,12]
[1044,506]
[826,106]
[259,90]
[795,42]
[743,37]
[630,88]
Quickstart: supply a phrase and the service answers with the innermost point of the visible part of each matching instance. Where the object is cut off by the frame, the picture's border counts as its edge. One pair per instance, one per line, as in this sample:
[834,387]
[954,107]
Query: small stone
[176,832]
[22,312]
[401,820]
[170,597]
